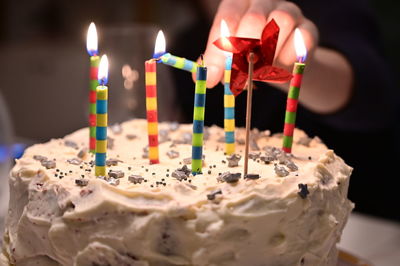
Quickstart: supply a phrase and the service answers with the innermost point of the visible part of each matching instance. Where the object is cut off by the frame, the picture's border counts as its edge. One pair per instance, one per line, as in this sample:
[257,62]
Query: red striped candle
[294,91]
[291,107]
[91,46]
[94,67]
[151,109]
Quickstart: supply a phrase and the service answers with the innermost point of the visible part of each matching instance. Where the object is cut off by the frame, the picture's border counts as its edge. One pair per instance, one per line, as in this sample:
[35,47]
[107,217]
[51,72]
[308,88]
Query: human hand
[247,18]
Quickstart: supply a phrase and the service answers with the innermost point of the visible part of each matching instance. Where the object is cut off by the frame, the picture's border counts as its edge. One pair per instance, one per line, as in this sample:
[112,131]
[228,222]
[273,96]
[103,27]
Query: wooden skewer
[248,111]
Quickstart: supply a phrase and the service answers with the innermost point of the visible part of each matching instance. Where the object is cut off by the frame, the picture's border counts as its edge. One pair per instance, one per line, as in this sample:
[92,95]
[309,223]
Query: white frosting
[52,221]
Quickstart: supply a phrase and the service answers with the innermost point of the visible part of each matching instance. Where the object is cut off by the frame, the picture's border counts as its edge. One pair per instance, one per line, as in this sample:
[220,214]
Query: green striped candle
[92,49]
[179,62]
[198,119]
[94,66]
[294,91]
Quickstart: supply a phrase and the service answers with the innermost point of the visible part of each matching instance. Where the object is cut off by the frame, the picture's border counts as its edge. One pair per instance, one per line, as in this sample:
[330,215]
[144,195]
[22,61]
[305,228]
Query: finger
[255,18]
[231,11]
[287,55]
[288,16]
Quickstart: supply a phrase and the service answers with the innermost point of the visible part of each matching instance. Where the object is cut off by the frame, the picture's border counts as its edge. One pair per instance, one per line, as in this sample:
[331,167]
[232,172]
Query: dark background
[44,59]
[44,63]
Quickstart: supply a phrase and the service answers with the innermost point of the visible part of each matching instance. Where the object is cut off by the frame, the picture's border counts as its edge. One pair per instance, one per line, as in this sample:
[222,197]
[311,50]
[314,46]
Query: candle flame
[299,46]
[91,40]
[224,34]
[160,46]
[103,70]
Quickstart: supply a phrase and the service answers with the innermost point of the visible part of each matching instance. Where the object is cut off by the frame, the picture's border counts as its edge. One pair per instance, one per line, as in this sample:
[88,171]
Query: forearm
[327,82]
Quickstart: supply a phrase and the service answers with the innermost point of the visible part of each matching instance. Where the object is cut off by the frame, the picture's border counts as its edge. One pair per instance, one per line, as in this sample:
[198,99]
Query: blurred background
[44,65]
[45,71]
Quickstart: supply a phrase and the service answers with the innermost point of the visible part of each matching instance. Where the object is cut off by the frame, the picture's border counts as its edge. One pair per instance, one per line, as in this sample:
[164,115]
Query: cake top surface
[131,179]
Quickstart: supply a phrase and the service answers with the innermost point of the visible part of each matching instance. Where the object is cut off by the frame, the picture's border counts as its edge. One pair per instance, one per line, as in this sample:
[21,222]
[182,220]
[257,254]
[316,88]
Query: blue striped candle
[101,130]
[179,62]
[229,109]
[101,118]
[198,119]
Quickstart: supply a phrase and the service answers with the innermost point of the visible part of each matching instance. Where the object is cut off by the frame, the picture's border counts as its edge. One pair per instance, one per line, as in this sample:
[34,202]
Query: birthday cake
[289,209]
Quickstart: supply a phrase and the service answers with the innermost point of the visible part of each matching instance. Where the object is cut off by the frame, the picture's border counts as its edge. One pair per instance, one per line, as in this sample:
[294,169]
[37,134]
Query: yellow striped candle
[151,110]
[229,98]
[179,62]
[229,110]
[101,118]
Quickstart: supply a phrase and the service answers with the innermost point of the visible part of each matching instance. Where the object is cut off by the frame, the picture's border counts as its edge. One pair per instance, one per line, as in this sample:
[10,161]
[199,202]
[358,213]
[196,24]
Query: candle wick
[202,59]
[158,56]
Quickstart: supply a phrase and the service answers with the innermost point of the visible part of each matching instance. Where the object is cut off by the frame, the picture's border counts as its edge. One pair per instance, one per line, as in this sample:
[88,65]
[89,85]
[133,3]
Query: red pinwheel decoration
[264,51]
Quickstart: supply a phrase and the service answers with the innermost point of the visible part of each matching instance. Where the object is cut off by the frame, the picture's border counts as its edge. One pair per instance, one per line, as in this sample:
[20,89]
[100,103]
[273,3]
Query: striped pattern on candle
[291,107]
[229,109]
[179,62]
[93,83]
[151,110]
[101,130]
[198,120]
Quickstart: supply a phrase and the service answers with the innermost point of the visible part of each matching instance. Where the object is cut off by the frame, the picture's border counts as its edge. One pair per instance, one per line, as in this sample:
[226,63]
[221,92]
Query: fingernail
[213,75]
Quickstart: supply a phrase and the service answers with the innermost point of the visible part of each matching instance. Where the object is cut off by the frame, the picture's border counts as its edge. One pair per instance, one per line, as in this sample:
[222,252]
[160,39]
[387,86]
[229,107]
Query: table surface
[375,240]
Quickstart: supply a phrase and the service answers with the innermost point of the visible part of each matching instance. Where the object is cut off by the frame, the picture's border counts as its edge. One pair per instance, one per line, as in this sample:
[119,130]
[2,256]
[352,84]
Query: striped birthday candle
[151,109]
[198,119]
[101,118]
[291,107]
[91,46]
[94,64]
[229,98]
[229,109]
[294,91]
[179,62]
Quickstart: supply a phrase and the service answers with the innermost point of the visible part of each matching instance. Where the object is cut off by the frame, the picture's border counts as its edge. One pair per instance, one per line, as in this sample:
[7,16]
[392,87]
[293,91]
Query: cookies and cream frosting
[289,210]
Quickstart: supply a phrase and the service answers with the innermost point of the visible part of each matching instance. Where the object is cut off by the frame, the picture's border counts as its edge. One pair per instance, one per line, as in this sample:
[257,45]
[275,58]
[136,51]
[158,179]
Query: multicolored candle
[151,110]
[169,59]
[91,46]
[101,118]
[198,119]
[179,62]
[229,98]
[294,91]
